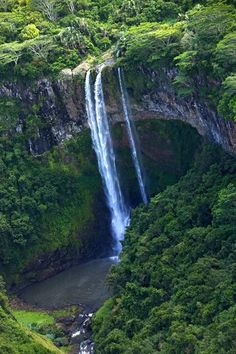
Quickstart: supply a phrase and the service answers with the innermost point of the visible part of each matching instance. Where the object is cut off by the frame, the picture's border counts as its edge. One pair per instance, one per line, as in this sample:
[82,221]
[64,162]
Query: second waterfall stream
[132,137]
[102,143]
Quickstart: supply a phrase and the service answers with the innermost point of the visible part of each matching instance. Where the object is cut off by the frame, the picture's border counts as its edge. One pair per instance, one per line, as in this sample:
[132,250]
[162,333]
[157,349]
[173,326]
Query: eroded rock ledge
[61,107]
[161,102]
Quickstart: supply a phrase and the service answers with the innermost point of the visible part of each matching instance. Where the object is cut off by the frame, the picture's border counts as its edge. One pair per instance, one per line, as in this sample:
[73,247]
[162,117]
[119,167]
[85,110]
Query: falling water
[132,137]
[102,143]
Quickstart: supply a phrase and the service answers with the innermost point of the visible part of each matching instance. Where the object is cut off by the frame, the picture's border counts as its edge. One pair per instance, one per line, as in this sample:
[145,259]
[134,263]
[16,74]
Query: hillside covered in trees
[175,286]
[14,338]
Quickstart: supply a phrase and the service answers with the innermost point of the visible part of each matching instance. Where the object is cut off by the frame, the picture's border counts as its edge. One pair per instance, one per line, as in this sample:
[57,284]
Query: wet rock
[81,318]
[66,321]
[87,347]
[83,335]
[79,336]
[87,324]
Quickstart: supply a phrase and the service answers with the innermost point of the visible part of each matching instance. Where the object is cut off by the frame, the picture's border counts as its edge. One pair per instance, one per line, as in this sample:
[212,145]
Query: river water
[83,284]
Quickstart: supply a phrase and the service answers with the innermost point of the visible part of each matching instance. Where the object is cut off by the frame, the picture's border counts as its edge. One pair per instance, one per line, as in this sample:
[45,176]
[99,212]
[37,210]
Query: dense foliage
[48,323]
[201,46]
[51,202]
[47,203]
[15,338]
[175,287]
[40,37]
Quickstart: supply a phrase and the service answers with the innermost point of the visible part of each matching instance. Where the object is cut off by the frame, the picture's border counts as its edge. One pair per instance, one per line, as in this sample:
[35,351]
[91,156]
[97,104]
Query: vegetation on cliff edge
[198,38]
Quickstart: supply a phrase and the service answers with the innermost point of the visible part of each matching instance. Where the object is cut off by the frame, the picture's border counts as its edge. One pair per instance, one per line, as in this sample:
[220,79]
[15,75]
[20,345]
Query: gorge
[103,146]
[87,288]
[117,176]
[165,142]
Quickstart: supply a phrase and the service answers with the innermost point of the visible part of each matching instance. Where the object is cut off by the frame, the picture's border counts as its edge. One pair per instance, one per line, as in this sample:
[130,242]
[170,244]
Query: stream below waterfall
[83,284]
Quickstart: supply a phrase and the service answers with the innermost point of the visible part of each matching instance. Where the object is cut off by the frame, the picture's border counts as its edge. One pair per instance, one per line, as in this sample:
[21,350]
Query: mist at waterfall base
[103,146]
[132,135]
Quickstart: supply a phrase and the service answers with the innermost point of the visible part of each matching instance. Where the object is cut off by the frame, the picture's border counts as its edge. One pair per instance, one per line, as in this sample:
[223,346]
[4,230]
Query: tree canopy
[196,37]
[175,286]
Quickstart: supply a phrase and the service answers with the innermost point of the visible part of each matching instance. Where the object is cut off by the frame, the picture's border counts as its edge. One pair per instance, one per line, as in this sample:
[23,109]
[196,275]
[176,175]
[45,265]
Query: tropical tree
[47,7]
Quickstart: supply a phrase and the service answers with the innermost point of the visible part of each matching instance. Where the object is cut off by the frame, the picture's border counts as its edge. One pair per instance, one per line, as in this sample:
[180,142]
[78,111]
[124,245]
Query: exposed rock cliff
[160,101]
[58,104]
[61,107]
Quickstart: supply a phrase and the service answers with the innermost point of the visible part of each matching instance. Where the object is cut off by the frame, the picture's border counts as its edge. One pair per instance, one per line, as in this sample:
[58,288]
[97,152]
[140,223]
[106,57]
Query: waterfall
[102,144]
[132,137]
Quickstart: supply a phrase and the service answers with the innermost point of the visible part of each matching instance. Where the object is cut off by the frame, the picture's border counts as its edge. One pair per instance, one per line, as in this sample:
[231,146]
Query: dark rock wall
[160,101]
[61,107]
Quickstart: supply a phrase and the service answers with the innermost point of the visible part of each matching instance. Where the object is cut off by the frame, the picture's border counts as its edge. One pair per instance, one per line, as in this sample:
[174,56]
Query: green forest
[174,289]
[175,285]
[41,37]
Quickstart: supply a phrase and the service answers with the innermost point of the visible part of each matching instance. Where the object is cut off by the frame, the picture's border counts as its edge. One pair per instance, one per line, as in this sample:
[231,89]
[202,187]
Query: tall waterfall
[102,143]
[132,137]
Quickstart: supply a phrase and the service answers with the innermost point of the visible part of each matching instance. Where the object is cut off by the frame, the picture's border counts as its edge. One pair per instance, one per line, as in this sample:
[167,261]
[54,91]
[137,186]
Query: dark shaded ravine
[80,285]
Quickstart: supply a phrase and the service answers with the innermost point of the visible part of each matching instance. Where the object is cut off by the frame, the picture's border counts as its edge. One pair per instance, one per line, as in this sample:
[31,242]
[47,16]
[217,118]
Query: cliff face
[61,107]
[168,148]
[161,102]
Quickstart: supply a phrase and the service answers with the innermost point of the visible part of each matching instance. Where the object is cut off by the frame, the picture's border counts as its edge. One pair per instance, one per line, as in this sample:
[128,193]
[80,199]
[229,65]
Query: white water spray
[102,143]
[132,137]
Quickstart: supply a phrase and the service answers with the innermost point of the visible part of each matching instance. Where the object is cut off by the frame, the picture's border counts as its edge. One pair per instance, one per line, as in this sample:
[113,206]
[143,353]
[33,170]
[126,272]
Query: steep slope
[175,287]
[15,338]
[51,206]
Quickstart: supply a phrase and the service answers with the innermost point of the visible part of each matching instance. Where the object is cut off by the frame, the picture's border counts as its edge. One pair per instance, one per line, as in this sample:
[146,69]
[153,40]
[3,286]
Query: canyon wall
[61,107]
